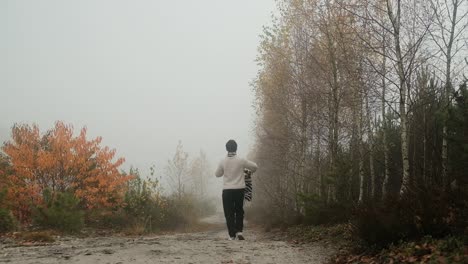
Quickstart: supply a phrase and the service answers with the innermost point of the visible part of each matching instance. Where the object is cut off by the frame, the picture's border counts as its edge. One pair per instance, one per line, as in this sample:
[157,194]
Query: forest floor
[208,246]
[450,249]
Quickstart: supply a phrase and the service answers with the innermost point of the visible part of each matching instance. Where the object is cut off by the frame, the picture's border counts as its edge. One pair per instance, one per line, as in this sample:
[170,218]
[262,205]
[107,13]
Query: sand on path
[203,247]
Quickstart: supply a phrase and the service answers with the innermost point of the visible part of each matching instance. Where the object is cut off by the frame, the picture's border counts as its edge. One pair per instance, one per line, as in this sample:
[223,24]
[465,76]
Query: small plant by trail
[60,211]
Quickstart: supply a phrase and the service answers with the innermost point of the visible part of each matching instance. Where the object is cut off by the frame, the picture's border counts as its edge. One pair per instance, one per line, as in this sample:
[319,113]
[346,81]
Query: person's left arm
[252,166]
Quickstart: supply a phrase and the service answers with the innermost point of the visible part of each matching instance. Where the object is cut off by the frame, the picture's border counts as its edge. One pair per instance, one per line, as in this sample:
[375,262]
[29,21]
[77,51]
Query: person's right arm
[220,170]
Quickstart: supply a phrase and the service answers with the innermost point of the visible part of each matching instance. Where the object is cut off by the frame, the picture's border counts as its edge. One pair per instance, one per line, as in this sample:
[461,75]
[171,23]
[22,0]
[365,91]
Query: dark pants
[233,204]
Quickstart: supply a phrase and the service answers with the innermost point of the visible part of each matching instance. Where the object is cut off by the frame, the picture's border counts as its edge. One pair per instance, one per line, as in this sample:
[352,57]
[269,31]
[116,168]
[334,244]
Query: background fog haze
[141,74]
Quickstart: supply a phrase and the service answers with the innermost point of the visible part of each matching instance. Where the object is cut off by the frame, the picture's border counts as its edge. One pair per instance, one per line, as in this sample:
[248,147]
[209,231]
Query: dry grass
[134,230]
[39,236]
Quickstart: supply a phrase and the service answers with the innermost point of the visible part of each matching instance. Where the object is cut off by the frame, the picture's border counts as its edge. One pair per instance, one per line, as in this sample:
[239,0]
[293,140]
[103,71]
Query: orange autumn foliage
[61,162]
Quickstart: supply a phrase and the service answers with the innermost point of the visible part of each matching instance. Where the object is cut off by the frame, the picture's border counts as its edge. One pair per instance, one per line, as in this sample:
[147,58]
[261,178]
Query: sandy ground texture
[203,247]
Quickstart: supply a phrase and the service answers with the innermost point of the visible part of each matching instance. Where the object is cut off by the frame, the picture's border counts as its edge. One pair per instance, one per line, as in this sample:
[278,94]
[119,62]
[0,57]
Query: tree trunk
[361,153]
[447,91]
[384,123]
[334,122]
[371,148]
[321,186]
[402,90]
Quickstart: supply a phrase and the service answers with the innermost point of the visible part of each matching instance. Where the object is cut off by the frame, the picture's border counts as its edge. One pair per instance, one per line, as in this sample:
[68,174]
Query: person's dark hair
[231,146]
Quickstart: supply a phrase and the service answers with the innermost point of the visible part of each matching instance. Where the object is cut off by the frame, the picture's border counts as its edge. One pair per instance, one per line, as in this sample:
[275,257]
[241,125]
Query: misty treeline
[364,103]
[59,180]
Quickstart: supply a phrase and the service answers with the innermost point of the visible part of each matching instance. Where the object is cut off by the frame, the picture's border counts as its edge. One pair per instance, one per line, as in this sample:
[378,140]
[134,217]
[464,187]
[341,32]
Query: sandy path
[203,247]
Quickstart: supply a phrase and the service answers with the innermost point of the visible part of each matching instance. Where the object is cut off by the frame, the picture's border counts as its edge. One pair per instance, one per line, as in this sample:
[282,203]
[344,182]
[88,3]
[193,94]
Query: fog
[141,74]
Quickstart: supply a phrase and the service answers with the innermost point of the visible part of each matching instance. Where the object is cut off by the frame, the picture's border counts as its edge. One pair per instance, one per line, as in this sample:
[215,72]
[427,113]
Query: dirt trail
[203,247]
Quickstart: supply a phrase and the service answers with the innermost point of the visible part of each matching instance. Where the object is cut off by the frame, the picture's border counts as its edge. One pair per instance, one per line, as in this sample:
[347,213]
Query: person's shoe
[240,236]
[231,238]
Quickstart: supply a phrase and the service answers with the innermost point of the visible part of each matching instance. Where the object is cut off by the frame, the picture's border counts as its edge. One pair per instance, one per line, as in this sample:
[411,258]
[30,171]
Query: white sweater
[233,170]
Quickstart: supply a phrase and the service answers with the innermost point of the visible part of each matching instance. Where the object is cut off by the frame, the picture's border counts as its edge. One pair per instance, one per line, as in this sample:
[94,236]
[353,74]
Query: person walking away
[232,168]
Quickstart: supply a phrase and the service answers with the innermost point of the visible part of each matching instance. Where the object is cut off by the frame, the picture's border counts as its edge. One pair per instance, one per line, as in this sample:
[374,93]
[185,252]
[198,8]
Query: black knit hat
[231,146]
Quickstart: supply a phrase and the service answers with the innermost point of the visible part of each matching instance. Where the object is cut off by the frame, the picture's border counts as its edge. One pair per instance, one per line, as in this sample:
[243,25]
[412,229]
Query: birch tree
[177,171]
[199,171]
[449,35]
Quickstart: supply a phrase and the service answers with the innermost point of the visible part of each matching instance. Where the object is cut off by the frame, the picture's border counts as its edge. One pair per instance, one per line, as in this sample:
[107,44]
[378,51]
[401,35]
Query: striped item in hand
[248,185]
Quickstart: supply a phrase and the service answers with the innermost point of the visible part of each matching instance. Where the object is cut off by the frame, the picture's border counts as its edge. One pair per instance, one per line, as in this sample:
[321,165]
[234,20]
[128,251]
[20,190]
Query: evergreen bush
[60,211]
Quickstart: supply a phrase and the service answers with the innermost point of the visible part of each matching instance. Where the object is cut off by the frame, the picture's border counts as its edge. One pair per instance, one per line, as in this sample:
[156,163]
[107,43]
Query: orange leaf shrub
[61,162]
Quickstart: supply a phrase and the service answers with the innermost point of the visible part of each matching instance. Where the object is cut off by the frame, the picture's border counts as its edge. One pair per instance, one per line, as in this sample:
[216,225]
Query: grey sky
[141,74]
